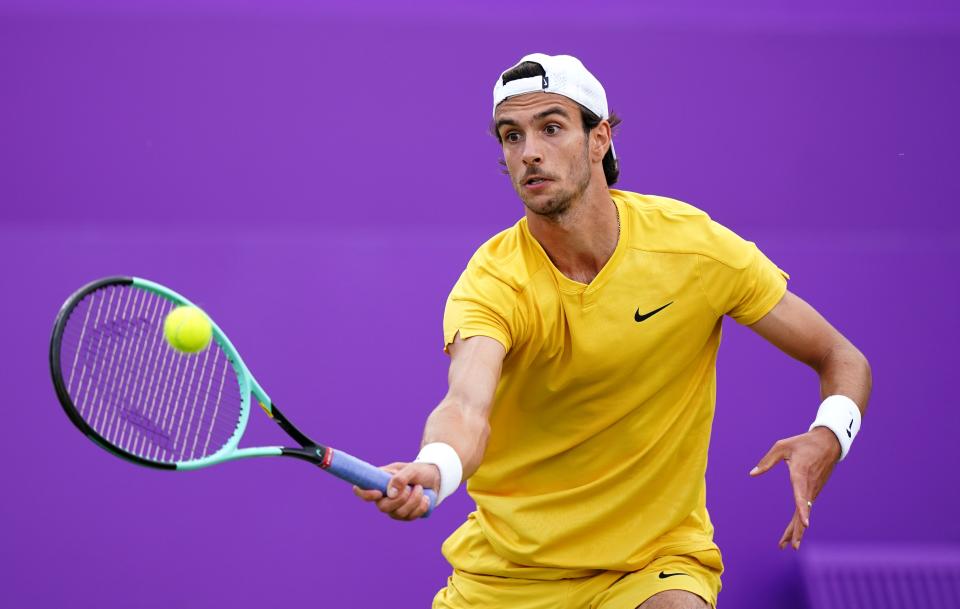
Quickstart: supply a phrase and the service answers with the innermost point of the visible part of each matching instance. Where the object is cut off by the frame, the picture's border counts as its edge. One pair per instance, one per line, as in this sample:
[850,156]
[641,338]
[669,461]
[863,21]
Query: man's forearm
[463,428]
[845,371]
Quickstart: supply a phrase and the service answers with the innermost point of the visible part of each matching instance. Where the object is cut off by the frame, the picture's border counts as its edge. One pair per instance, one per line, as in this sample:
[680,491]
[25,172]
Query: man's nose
[532,154]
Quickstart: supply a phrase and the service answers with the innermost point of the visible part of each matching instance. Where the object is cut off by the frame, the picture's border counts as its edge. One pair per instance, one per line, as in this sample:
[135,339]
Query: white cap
[564,75]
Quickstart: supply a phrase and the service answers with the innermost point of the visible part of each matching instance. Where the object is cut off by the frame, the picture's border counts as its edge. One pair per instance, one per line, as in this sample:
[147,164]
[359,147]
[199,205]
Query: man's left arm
[799,331]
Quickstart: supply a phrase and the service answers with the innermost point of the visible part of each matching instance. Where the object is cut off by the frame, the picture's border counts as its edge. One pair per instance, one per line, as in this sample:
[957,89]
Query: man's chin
[548,207]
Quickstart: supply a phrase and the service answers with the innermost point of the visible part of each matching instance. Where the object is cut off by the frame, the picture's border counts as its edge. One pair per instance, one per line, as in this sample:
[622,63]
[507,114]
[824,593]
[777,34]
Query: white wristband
[448,462]
[839,414]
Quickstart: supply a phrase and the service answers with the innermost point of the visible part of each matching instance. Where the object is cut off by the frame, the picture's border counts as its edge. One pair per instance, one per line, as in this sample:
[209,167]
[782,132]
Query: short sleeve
[480,304]
[738,279]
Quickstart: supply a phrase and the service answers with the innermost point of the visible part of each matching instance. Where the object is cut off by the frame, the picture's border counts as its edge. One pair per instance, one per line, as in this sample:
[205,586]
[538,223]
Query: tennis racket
[133,394]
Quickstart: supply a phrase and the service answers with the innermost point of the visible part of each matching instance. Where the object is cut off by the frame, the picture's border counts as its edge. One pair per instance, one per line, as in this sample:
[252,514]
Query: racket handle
[356,471]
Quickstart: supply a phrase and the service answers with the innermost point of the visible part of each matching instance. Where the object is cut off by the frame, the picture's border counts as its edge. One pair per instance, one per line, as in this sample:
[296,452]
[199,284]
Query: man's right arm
[461,420]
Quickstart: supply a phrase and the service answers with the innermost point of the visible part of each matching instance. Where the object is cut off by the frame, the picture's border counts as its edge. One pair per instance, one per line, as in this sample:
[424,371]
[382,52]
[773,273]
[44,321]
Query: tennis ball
[187,329]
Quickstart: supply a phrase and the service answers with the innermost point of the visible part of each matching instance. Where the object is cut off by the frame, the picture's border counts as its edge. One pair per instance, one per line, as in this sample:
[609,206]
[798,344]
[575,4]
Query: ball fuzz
[187,329]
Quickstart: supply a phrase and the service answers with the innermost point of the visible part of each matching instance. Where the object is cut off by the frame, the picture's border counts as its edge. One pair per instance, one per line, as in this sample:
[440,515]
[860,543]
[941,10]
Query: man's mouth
[535,180]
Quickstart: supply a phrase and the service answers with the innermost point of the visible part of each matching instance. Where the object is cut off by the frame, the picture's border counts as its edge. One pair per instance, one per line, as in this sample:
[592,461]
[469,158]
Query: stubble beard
[557,206]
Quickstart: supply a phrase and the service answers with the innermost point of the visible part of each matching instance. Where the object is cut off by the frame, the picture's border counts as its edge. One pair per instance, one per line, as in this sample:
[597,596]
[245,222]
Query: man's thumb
[773,456]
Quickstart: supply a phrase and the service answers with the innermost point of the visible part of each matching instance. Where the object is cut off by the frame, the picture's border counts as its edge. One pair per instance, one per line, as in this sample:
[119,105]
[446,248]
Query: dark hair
[611,167]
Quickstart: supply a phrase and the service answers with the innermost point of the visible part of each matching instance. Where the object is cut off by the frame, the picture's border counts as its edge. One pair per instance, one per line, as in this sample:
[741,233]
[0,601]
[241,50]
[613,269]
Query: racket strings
[138,393]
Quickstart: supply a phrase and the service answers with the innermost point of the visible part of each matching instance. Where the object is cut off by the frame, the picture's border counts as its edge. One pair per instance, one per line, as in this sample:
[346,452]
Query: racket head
[130,392]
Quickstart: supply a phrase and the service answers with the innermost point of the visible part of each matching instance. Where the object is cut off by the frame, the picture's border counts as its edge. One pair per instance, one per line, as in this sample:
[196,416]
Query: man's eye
[552,129]
[513,136]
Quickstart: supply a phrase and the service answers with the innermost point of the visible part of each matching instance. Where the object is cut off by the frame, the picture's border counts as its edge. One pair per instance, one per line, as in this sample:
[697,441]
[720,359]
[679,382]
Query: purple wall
[316,179]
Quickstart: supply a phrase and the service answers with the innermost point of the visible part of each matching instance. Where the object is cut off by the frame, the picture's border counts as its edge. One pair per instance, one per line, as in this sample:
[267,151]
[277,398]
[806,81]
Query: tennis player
[583,344]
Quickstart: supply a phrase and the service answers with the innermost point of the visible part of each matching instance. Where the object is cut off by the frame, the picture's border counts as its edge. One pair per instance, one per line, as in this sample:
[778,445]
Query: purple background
[316,178]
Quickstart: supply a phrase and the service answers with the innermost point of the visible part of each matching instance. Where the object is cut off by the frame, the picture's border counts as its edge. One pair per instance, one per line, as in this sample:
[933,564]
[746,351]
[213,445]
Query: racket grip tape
[356,471]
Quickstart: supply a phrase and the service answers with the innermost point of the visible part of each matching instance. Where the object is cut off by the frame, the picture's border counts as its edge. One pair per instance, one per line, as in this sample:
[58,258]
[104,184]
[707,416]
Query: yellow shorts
[606,590]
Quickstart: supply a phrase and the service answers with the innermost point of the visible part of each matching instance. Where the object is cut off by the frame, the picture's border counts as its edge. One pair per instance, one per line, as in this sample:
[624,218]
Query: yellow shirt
[602,416]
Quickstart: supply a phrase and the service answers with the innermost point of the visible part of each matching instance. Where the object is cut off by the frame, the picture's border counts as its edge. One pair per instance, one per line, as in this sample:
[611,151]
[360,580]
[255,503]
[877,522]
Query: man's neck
[581,241]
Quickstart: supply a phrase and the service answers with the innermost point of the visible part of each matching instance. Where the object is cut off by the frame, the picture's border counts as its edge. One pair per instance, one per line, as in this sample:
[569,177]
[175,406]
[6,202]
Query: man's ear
[600,138]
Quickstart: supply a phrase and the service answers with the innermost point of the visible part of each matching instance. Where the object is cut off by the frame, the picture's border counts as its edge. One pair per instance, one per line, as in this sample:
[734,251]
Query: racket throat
[288,427]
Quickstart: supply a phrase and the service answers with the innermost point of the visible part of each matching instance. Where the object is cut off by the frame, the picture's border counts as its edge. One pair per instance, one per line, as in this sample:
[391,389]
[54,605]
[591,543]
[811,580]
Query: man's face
[545,149]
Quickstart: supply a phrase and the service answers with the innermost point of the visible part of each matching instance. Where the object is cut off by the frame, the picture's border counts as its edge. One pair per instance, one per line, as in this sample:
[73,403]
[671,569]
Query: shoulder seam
[523,288]
[703,288]
[522,285]
[685,253]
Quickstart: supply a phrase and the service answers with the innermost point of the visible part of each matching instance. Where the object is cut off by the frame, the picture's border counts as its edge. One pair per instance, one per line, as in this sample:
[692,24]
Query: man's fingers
[787,535]
[410,505]
[373,494]
[774,455]
[802,493]
[798,530]
[402,512]
[367,495]
[400,480]
[390,504]
[793,533]
[404,498]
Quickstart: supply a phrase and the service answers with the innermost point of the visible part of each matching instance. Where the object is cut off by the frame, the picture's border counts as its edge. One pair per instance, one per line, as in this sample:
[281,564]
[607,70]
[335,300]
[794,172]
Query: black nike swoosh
[666,575]
[637,316]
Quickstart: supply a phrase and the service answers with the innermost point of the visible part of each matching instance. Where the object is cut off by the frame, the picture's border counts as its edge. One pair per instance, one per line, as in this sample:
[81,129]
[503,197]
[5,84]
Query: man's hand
[403,502]
[810,458]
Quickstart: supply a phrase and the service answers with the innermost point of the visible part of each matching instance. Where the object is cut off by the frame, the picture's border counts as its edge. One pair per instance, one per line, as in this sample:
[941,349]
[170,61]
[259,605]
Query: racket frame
[339,463]
[248,385]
